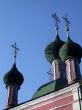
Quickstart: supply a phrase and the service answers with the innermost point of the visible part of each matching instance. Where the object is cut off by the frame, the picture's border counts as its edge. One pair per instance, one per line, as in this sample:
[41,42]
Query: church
[64,92]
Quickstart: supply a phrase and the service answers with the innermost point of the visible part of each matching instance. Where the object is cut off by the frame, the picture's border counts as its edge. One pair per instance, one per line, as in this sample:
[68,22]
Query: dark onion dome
[70,49]
[13,77]
[52,50]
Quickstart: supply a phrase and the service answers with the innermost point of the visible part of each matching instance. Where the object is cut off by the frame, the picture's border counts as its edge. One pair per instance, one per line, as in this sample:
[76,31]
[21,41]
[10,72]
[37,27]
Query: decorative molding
[64,105]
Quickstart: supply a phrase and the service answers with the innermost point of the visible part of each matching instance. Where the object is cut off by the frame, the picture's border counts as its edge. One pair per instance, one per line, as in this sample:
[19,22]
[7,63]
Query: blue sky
[29,23]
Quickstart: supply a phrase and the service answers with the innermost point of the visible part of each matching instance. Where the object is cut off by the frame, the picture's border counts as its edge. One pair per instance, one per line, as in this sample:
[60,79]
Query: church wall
[64,99]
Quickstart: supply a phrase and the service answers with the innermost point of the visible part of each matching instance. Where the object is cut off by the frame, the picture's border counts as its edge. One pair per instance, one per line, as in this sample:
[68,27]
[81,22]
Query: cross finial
[67,24]
[14,46]
[56,19]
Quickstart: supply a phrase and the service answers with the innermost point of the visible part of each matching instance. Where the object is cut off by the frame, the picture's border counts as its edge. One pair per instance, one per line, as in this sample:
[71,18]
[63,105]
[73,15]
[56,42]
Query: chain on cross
[14,46]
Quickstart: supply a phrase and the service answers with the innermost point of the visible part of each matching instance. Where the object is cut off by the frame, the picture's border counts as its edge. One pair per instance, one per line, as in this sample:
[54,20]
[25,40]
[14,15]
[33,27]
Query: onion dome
[13,77]
[52,50]
[70,49]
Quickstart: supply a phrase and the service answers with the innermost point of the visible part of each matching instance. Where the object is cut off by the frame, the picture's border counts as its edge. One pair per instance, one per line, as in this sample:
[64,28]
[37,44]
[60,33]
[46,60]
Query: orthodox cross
[66,23]
[14,46]
[56,19]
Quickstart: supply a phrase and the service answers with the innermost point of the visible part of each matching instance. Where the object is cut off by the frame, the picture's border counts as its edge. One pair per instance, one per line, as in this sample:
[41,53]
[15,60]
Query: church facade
[64,92]
[68,98]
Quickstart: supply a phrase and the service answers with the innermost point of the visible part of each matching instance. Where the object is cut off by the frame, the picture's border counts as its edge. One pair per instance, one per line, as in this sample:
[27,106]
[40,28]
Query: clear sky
[29,23]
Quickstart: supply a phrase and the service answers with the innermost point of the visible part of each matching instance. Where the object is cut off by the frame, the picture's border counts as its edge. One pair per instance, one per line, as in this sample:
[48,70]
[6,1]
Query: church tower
[13,80]
[71,54]
[52,54]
